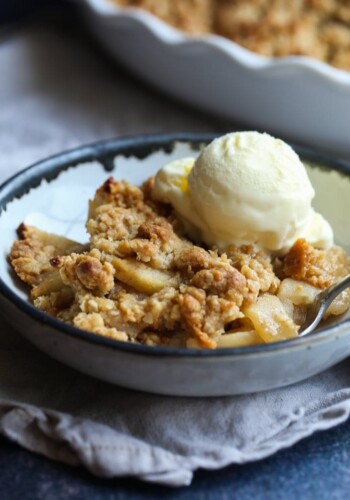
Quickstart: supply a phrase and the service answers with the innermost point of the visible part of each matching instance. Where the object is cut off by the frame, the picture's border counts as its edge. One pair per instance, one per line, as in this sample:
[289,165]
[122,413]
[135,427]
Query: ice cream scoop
[244,187]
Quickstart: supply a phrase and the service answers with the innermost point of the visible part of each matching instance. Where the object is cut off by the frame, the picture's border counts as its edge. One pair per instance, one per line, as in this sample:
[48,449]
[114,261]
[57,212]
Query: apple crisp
[315,28]
[141,280]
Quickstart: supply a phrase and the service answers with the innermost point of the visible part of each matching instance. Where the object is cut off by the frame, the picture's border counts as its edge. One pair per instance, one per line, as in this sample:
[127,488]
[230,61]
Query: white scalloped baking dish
[297,97]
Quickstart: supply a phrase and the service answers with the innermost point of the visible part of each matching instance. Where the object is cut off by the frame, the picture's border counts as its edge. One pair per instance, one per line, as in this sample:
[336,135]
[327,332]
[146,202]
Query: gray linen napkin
[57,93]
[53,410]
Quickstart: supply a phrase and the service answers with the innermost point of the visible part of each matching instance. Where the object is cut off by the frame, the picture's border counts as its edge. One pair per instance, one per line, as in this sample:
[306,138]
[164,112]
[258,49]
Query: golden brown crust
[257,267]
[319,268]
[219,281]
[315,28]
[141,281]
[30,255]
[193,16]
[86,272]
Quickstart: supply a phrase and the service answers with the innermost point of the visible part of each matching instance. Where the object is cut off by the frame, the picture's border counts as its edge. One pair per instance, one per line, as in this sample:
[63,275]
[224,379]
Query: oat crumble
[141,280]
[315,28]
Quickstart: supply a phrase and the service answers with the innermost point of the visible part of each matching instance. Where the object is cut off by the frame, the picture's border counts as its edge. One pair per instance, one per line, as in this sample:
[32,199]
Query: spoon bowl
[322,302]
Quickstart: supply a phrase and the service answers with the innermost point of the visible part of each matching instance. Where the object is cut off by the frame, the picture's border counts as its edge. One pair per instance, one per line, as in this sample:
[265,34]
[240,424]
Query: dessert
[315,28]
[162,268]
[244,188]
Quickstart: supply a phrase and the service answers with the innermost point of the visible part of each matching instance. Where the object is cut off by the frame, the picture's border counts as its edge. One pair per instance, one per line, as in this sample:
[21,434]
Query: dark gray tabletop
[318,467]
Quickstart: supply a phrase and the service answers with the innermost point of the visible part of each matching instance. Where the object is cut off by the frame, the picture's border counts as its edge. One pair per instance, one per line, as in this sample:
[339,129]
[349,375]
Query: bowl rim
[141,146]
[174,37]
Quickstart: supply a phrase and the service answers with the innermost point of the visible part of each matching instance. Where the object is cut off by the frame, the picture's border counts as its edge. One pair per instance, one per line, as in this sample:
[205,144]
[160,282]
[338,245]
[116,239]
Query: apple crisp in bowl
[146,277]
[138,288]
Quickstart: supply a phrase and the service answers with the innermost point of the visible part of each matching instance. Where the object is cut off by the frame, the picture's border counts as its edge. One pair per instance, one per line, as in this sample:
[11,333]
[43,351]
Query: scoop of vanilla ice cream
[245,187]
[171,186]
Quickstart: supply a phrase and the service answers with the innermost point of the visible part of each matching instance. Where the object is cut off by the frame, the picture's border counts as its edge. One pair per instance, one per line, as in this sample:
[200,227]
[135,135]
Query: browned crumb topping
[31,254]
[320,268]
[316,28]
[140,280]
[193,16]
[85,272]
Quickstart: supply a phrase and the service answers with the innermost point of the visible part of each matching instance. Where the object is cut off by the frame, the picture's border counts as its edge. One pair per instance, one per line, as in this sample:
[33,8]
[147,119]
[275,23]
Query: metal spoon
[322,301]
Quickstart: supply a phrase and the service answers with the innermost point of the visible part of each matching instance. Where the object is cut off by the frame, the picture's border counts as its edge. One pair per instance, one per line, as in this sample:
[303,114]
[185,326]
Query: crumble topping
[141,280]
[315,28]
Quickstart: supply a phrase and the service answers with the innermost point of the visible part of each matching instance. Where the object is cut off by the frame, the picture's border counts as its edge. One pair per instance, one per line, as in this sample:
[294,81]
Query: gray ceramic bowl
[53,194]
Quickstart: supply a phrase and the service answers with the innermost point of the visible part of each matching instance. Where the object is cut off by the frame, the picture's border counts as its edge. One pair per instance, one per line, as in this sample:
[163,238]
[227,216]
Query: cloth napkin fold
[53,410]
[58,92]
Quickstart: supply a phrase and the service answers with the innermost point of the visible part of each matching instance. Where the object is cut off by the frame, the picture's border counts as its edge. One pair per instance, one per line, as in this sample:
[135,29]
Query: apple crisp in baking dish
[315,28]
